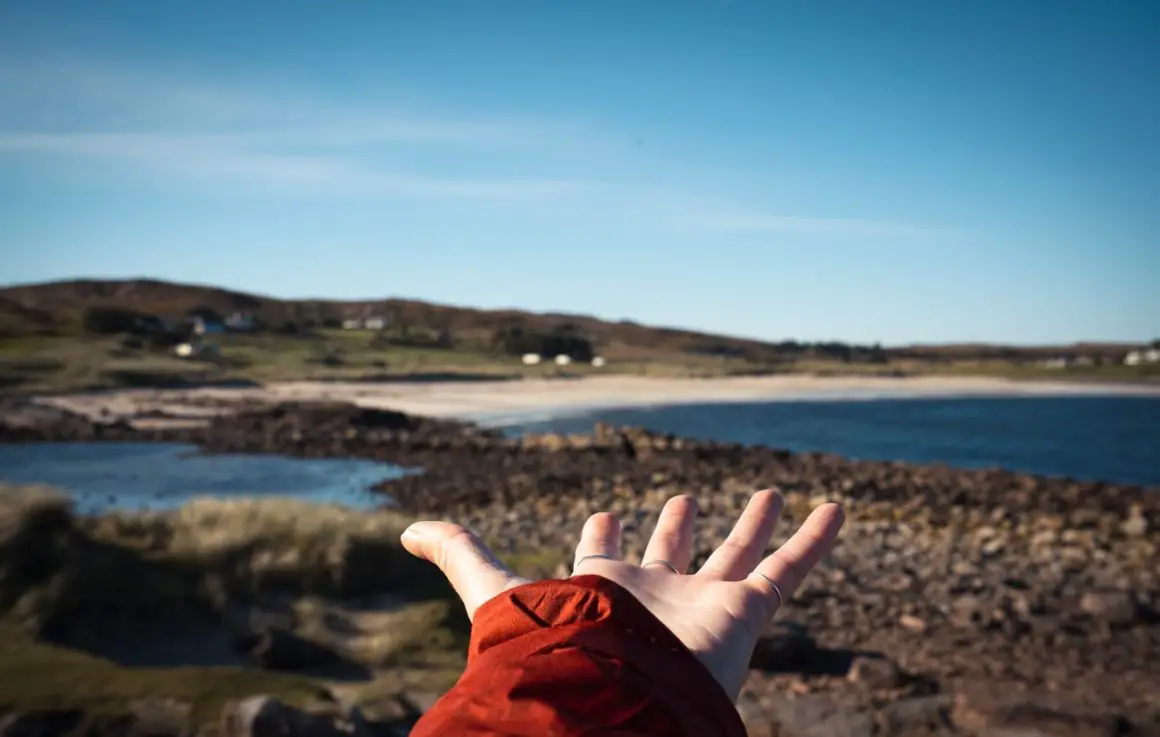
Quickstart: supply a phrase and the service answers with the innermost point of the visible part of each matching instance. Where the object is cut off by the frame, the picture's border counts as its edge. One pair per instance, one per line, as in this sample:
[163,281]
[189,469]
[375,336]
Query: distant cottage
[369,323]
[1142,356]
[204,321]
[241,322]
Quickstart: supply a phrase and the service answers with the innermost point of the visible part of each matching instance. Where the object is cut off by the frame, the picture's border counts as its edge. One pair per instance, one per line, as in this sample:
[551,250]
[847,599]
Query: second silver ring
[659,562]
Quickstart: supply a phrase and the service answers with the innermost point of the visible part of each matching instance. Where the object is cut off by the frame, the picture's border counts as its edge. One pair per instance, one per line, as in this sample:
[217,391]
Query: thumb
[473,570]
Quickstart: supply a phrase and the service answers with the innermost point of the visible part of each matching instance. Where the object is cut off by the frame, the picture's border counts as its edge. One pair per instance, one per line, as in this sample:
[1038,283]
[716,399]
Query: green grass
[1110,373]
[32,345]
[993,369]
[36,676]
[69,363]
[534,564]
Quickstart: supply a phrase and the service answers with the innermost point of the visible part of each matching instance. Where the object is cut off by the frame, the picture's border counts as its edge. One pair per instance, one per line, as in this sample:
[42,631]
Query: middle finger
[599,539]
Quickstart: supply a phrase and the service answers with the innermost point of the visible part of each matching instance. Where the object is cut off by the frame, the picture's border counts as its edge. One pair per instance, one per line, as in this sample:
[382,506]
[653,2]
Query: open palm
[718,612]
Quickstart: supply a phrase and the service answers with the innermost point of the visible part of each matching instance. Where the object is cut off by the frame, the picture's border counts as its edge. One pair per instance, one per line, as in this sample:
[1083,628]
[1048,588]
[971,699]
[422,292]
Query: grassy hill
[44,343]
[56,307]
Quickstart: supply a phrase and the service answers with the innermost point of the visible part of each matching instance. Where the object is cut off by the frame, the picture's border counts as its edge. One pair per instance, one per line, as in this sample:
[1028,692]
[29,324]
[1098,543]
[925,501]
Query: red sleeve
[581,656]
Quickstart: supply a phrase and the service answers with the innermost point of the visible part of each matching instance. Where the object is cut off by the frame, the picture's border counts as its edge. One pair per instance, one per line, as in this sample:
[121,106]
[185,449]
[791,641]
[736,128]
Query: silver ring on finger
[774,586]
[659,562]
[590,557]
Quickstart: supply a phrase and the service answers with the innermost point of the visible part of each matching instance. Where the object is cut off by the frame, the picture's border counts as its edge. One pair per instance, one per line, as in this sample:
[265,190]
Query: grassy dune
[61,572]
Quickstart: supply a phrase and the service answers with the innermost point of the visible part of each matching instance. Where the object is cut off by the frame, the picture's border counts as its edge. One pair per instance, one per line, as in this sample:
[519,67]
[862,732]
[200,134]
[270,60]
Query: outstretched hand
[718,612]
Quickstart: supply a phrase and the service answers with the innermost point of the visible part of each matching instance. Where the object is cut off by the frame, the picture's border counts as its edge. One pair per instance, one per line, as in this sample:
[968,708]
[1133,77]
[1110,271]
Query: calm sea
[1100,438]
[1095,438]
[103,476]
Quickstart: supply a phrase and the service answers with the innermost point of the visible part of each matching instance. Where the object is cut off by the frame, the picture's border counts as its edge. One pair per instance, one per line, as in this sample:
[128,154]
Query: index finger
[793,561]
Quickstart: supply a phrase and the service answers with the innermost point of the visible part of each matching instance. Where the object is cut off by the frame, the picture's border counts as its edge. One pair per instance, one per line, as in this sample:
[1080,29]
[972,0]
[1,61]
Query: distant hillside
[57,307]
[985,351]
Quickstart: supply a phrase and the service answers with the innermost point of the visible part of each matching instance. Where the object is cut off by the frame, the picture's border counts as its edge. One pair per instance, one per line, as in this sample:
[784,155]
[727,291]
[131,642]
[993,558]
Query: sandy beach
[495,403]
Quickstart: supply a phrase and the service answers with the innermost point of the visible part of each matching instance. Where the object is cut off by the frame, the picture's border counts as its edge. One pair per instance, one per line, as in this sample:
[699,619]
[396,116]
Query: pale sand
[512,401]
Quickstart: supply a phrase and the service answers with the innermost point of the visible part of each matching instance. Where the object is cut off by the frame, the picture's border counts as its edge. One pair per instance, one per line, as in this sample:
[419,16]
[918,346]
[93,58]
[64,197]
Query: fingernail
[411,533]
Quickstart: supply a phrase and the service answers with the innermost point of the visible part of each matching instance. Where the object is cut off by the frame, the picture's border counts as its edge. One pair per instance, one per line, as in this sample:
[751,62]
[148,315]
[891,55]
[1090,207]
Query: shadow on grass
[421,377]
[134,378]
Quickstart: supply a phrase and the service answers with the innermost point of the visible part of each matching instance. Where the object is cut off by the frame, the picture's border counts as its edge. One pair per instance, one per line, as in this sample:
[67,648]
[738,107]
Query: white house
[196,350]
[201,326]
[240,321]
[375,323]
[563,359]
[531,359]
[1054,363]
[1145,355]
[598,362]
[351,324]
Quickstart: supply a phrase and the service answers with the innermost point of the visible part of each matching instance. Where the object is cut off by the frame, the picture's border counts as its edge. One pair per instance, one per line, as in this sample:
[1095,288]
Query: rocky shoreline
[957,602]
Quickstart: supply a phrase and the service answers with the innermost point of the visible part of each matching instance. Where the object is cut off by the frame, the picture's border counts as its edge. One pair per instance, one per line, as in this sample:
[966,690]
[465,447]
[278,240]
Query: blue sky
[869,171]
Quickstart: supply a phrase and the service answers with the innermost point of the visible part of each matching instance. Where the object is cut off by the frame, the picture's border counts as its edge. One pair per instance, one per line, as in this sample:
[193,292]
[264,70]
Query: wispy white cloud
[274,141]
[225,157]
[284,141]
[42,95]
[761,223]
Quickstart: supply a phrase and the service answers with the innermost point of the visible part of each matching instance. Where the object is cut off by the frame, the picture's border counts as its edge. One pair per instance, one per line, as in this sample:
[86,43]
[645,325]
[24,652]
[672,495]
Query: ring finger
[788,567]
[672,540]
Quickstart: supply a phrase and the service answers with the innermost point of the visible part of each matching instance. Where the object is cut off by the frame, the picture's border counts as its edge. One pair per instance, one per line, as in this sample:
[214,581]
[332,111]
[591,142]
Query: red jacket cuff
[562,657]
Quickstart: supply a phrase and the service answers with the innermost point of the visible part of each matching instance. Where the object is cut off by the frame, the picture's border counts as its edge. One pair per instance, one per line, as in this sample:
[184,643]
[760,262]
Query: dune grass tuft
[60,571]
